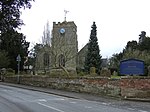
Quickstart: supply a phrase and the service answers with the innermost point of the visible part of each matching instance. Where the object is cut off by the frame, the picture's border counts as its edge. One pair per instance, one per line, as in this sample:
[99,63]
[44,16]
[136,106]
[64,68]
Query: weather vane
[65,14]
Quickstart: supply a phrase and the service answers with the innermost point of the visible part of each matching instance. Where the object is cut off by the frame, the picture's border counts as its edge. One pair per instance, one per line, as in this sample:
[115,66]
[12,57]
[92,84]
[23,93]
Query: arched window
[46,59]
[61,60]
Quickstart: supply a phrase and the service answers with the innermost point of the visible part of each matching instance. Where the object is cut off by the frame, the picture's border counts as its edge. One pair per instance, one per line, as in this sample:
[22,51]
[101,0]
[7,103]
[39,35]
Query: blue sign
[18,58]
[132,67]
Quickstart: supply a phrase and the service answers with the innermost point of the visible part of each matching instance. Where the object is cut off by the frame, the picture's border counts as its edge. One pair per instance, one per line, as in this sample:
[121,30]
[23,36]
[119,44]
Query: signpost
[18,59]
[132,67]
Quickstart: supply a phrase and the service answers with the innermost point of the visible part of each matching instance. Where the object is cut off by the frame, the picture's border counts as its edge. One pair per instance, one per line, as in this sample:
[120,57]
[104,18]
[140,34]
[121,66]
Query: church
[63,52]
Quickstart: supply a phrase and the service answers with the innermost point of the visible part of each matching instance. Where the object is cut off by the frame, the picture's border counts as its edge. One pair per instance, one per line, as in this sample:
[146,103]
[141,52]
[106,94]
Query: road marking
[142,111]
[106,103]
[88,107]
[59,99]
[42,100]
[73,102]
[50,107]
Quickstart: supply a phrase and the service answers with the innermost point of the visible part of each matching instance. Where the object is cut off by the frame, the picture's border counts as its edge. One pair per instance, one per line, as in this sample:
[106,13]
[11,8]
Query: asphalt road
[14,99]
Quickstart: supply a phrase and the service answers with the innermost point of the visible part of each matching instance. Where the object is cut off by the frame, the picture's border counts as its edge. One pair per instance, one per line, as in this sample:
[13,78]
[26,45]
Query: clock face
[62,30]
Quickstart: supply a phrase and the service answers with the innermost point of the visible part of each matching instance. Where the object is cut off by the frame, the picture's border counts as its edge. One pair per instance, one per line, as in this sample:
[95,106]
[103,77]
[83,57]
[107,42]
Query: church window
[46,59]
[61,60]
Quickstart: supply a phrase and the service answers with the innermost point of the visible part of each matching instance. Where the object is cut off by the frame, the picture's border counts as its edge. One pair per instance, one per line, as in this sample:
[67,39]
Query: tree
[145,44]
[33,54]
[4,60]
[131,45]
[93,58]
[114,61]
[10,13]
[142,36]
[46,38]
[138,50]
[61,47]
[64,52]
[35,50]
[12,42]
[133,49]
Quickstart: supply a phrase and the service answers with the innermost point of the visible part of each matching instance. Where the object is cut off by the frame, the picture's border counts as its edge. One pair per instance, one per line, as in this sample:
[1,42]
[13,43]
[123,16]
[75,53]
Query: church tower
[64,45]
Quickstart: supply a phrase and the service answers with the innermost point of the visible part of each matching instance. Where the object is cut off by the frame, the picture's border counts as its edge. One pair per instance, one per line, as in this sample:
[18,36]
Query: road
[13,99]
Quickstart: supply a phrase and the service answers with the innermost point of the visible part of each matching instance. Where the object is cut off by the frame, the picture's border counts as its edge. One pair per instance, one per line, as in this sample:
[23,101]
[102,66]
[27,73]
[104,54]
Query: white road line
[59,99]
[87,107]
[45,100]
[50,107]
[142,111]
[42,100]
[106,103]
[73,102]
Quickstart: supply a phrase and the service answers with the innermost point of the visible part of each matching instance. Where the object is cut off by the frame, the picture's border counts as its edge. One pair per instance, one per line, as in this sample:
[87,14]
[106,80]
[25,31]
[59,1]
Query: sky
[118,21]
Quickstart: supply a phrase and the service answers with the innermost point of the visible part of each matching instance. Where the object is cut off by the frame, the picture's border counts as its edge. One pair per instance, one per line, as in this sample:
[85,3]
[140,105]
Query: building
[63,52]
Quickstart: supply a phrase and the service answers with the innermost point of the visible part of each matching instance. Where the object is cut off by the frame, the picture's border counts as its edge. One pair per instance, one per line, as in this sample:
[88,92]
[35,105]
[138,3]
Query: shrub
[105,72]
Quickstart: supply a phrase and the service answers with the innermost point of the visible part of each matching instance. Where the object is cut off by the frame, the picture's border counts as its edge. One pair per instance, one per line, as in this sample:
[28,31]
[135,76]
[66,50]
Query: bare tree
[46,38]
[64,51]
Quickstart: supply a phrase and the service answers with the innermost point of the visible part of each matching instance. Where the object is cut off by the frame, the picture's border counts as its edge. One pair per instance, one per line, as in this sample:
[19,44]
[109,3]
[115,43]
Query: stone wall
[124,87]
[135,87]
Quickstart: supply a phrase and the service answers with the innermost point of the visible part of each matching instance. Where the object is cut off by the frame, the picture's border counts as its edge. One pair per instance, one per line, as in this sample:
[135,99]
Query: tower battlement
[64,23]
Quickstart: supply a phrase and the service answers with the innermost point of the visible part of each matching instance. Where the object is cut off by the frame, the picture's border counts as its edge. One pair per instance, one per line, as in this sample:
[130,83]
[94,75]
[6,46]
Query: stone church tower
[63,50]
[64,45]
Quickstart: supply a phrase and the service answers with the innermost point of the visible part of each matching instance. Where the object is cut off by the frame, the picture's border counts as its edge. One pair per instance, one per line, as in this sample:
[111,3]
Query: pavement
[69,94]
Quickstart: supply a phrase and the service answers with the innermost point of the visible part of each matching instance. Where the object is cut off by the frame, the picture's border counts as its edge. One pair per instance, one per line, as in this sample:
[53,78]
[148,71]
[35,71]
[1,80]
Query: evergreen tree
[10,11]
[131,45]
[14,43]
[11,41]
[93,58]
[4,60]
[145,45]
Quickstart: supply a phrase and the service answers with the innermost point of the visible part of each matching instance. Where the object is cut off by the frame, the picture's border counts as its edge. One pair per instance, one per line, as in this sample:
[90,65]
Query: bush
[105,72]
[81,74]
[10,72]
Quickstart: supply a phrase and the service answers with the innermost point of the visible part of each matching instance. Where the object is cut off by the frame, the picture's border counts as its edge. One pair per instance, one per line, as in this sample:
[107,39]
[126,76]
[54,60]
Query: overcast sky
[118,21]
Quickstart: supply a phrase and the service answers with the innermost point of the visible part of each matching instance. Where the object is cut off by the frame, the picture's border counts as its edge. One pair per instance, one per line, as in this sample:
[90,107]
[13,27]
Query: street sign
[18,58]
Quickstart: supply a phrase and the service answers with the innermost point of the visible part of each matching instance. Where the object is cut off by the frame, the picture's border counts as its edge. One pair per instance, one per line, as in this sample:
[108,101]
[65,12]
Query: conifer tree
[11,41]
[93,58]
